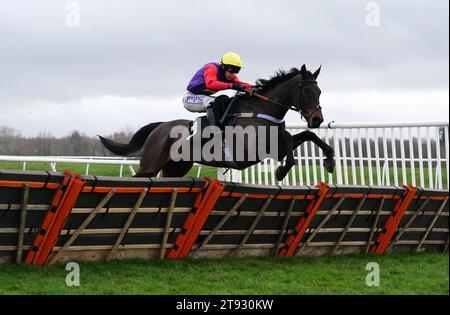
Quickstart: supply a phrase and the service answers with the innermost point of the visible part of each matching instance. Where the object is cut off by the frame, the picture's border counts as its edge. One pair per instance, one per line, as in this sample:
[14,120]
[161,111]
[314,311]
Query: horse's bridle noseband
[315,108]
[305,116]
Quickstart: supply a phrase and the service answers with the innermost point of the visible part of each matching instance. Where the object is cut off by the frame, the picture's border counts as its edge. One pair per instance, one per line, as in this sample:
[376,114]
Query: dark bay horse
[287,90]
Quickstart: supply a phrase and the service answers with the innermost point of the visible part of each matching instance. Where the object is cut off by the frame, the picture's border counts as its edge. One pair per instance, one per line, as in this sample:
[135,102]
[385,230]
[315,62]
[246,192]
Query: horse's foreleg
[285,140]
[307,135]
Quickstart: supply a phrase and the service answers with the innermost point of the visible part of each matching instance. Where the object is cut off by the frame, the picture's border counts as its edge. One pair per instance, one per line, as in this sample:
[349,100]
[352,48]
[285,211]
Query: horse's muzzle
[315,122]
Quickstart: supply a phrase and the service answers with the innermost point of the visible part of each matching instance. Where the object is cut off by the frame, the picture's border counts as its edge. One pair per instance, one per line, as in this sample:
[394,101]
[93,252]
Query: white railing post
[447,154]
[352,158]
[321,169]
[52,166]
[387,177]
[344,156]
[394,156]
[327,140]
[132,171]
[305,150]
[411,157]
[313,162]
[337,156]
[430,163]
[377,156]
[438,159]
[403,157]
[121,171]
[369,157]
[361,161]
[420,150]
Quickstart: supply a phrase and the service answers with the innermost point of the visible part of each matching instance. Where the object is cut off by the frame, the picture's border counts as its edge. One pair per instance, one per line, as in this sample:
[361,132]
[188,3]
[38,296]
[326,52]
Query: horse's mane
[279,77]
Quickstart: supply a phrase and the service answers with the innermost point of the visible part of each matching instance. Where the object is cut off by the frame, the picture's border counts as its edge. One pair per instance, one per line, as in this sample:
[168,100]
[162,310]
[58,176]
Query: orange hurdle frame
[392,223]
[196,219]
[293,240]
[61,206]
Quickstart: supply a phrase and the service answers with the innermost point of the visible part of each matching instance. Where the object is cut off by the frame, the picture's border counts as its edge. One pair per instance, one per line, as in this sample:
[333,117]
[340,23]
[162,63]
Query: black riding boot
[216,110]
[211,116]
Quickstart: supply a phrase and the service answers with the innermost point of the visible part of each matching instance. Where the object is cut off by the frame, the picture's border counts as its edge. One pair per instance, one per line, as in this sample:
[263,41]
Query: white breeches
[196,103]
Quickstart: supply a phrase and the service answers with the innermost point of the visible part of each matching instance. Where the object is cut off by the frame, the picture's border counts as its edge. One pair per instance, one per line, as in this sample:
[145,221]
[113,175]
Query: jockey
[211,78]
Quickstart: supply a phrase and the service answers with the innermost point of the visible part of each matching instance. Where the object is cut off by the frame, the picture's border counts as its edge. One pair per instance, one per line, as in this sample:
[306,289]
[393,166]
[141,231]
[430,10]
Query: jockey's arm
[211,81]
[213,84]
[245,86]
[236,80]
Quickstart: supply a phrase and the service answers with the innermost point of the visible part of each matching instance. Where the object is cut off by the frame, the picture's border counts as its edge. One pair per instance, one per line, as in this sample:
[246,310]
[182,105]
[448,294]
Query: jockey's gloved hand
[250,90]
[238,87]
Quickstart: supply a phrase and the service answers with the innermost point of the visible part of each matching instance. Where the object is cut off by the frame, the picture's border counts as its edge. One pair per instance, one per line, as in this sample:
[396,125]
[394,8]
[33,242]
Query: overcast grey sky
[128,62]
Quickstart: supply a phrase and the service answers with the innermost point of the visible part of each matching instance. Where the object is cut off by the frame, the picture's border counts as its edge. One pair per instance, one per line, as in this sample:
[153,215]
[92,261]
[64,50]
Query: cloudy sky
[101,66]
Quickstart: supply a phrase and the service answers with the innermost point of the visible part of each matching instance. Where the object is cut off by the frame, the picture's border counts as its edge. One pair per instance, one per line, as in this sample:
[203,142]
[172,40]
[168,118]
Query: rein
[265,98]
[298,108]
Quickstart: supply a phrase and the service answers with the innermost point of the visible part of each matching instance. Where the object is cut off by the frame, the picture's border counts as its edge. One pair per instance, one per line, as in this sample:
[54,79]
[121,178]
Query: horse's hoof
[329,164]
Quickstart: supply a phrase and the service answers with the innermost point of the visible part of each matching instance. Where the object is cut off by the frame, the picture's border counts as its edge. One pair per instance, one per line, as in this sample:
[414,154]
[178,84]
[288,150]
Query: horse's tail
[136,142]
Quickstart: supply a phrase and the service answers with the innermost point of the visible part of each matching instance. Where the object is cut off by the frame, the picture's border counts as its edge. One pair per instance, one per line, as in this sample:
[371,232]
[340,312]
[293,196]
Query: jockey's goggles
[232,69]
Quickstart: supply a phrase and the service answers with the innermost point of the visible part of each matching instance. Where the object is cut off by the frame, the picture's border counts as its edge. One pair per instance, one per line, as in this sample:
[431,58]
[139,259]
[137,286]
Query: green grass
[425,273]
[98,170]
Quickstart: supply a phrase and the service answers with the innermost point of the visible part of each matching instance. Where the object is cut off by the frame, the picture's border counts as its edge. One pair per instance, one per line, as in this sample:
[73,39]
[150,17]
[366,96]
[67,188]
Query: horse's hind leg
[176,169]
[151,167]
[156,153]
[285,143]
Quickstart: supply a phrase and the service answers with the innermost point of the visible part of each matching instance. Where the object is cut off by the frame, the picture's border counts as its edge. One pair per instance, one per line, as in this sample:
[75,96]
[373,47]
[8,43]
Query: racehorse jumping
[288,90]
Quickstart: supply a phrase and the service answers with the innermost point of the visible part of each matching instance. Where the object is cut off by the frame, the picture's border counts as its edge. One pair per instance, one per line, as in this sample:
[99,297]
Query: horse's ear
[316,74]
[303,71]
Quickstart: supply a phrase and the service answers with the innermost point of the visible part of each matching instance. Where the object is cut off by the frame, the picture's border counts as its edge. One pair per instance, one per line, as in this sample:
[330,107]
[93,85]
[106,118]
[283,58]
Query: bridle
[299,108]
[315,108]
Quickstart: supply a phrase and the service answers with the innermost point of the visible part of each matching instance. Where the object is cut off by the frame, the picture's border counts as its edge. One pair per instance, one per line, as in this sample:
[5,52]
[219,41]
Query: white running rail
[86,160]
[378,154]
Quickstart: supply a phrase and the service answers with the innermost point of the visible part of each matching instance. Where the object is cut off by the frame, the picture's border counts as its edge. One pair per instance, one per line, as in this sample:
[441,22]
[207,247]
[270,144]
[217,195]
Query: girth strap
[259,115]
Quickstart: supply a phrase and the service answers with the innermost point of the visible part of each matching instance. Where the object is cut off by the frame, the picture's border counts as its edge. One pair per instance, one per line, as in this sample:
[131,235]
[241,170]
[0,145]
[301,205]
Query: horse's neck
[283,93]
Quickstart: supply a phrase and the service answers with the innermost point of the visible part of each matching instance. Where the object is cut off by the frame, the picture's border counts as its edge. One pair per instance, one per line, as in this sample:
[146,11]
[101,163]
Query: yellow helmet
[231,58]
